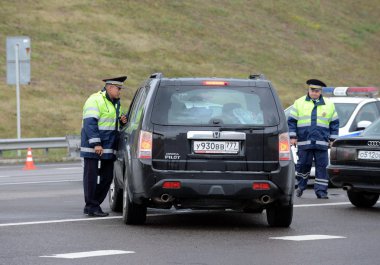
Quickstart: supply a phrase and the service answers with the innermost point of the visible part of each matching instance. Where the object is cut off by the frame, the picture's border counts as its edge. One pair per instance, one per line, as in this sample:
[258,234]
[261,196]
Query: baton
[99,166]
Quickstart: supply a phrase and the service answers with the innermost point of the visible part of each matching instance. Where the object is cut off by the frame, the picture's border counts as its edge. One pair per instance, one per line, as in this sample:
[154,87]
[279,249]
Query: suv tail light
[261,186]
[171,185]
[145,145]
[215,83]
[284,147]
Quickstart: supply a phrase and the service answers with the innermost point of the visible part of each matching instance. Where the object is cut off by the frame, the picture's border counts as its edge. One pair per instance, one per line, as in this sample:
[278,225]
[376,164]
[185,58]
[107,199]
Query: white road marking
[321,204]
[67,168]
[97,253]
[60,221]
[152,214]
[306,237]
[39,182]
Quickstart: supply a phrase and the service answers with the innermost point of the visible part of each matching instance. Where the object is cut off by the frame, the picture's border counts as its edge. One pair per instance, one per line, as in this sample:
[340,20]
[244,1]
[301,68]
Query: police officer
[313,125]
[99,137]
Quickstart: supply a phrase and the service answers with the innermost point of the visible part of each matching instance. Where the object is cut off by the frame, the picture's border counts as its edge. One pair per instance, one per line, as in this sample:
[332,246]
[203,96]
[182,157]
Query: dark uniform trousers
[94,194]
[303,167]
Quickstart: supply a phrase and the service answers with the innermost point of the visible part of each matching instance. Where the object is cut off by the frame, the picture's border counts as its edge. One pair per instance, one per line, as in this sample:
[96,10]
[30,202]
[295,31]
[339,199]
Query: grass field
[75,44]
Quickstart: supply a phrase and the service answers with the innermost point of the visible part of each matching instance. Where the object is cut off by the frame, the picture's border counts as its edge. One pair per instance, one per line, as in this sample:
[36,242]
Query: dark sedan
[355,166]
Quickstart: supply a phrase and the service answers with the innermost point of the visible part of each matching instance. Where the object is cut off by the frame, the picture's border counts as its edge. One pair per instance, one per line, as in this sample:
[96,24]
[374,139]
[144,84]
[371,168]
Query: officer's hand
[293,142]
[123,119]
[99,150]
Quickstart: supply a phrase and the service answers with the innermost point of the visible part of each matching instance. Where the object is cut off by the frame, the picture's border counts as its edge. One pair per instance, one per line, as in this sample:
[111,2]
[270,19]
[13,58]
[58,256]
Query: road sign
[18,46]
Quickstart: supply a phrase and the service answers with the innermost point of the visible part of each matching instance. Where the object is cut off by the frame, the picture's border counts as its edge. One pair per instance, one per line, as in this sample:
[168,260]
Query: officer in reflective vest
[99,140]
[313,126]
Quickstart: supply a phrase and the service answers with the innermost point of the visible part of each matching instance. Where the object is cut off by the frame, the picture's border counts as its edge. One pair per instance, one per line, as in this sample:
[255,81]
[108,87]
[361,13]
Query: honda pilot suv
[205,143]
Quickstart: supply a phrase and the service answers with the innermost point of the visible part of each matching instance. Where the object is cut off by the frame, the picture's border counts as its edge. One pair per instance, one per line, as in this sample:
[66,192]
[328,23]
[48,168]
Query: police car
[357,108]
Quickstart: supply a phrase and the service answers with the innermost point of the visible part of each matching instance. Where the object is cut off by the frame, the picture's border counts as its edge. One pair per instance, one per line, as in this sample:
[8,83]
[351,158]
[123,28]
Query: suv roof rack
[156,75]
[257,76]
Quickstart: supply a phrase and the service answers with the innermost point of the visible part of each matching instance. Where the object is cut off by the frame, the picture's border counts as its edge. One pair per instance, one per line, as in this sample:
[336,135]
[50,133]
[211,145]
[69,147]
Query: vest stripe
[107,128]
[92,150]
[322,143]
[304,125]
[111,120]
[91,116]
[94,140]
[304,143]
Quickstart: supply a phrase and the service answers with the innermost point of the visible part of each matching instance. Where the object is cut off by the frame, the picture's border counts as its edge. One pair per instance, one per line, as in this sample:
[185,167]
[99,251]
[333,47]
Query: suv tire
[133,214]
[279,215]
[362,199]
[115,196]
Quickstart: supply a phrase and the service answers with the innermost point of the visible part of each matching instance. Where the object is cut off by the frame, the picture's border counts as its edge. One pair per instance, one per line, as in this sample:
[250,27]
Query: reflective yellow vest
[99,126]
[313,123]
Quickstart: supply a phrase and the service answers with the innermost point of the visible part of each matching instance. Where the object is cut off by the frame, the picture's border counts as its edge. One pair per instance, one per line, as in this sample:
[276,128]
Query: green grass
[39,155]
[75,44]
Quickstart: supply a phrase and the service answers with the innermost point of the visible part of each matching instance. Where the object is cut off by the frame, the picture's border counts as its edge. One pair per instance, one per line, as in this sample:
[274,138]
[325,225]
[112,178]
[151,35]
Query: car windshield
[344,111]
[214,106]
[373,129]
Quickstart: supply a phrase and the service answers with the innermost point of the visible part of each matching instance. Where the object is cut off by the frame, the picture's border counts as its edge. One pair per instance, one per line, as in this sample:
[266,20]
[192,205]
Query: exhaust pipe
[166,198]
[265,199]
[347,187]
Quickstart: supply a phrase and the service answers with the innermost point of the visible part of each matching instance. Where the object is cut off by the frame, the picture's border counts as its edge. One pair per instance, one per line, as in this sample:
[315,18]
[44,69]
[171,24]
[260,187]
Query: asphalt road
[41,222]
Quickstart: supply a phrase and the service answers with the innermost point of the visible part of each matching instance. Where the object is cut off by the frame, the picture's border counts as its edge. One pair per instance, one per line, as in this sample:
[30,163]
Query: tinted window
[368,112]
[201,105]
[344,111]
[136,105]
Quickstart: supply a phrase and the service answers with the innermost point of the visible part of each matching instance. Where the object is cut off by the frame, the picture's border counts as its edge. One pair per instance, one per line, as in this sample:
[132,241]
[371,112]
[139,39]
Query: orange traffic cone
[29,165]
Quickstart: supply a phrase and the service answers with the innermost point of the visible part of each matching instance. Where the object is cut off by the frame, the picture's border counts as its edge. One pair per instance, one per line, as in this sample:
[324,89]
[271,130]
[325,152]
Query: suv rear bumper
[217,193]
[190,188]
[224,188]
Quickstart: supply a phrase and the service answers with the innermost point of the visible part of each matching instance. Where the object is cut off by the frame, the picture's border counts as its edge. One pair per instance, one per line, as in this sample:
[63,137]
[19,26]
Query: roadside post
[18,69]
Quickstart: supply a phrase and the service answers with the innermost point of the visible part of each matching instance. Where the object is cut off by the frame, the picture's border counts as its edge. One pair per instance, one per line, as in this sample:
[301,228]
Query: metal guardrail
[71,142]
[24,143]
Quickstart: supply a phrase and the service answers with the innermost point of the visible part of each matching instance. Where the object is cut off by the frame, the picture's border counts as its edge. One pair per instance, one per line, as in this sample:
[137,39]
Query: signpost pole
[18,70]
[18,94]
[18,91]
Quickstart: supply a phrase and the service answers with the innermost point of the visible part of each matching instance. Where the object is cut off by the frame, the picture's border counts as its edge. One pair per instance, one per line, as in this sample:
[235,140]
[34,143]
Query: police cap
[315,84]
[116,81]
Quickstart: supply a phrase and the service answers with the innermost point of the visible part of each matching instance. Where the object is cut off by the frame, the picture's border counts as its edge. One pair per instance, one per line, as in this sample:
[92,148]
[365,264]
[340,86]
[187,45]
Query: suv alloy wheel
[115,196]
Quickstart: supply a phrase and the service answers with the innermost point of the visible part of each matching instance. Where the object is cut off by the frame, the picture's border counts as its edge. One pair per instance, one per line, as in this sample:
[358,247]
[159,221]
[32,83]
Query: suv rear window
[201,105]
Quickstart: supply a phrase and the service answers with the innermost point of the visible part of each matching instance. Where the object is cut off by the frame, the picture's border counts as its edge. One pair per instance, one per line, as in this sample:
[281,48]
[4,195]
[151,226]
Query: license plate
[216,147]
[369,155]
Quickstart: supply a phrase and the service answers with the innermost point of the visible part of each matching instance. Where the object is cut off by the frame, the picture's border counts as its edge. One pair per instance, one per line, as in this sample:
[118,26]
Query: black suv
[205,143]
